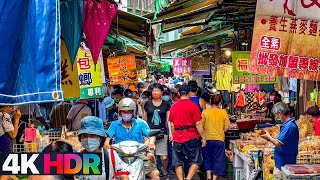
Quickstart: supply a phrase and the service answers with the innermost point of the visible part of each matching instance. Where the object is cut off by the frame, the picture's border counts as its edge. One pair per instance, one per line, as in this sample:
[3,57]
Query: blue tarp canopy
[29,51]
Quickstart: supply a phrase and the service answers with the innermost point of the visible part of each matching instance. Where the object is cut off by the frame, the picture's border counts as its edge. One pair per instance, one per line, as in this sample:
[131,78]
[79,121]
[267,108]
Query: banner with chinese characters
[69,75]
[181,66]
[240,64]
[286,39]
[122,70]
[200,66]
[89,74]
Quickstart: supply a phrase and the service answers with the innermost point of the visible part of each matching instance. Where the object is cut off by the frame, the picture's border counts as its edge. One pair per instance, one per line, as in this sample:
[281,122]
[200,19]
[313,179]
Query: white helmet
[127,104]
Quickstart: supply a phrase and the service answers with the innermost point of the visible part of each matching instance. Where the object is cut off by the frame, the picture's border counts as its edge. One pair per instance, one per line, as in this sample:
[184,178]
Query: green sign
[240,65]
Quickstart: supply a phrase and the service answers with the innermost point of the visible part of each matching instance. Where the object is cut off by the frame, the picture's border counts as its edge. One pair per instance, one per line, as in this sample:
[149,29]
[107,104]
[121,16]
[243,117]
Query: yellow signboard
[69,75]
[89,74]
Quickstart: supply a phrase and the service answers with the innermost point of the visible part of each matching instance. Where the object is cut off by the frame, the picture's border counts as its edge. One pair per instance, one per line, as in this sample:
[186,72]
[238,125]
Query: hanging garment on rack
[249,101]
[223,79]
[267,87]
[293,95]
[226,97]
[314,96]
[240,101]
[284,83]
[293,84]
[260,97]
[252,87]
[235,87]
[285,96]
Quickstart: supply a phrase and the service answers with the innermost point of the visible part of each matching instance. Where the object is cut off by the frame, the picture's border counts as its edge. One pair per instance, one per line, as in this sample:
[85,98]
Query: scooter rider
[128,128]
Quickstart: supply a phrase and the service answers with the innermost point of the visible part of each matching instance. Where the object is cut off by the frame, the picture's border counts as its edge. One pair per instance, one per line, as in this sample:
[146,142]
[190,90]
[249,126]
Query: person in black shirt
[156,112]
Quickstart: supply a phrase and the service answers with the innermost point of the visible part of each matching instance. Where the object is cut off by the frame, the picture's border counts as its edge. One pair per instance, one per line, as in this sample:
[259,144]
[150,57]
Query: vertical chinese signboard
[69,75]
[240,64]
[122,70]
[286,39]
[181,66]
[200,66]
[89,74]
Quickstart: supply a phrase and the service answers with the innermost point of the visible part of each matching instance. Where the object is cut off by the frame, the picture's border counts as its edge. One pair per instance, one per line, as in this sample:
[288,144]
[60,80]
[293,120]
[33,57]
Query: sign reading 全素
[50,163]
[286,39]
[240,65]
[89,74]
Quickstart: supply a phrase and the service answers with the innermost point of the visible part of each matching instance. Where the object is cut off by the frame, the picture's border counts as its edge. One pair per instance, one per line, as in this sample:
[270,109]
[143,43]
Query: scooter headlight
[129,149]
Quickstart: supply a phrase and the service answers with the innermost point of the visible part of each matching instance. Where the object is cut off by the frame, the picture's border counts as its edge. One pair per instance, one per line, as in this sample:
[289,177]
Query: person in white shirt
[78,111]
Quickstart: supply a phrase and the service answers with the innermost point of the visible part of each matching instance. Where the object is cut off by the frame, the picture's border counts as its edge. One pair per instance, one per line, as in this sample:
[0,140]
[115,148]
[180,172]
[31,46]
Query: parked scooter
[129,152]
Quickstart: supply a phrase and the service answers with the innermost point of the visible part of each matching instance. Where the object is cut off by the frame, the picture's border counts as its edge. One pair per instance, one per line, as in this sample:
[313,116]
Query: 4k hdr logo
[53,163]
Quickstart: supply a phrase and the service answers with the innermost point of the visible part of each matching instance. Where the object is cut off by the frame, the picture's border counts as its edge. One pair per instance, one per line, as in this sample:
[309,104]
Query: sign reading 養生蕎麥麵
[89,74]
[286,39]
[240,65]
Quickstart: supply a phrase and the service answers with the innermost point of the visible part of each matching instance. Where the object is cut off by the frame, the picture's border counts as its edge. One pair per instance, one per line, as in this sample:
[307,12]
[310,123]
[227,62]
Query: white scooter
[129,152]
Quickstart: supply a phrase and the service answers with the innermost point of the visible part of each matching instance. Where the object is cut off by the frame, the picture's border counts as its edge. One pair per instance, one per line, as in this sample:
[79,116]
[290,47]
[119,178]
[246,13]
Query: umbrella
[96,22]
[71,19]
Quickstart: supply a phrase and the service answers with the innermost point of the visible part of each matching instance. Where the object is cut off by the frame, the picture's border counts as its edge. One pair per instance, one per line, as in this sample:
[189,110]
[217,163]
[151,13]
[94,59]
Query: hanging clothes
[267,87]
[285,96]
[283,84]
[235,87]
[260,97]
[223,79]
[240,101]
[249,101]
[252,87]
[314,96]
[293,84]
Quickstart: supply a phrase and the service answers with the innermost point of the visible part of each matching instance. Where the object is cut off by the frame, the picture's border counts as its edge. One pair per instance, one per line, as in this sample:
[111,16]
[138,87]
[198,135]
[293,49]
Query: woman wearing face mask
[156,112]
[275,97]
[92,137]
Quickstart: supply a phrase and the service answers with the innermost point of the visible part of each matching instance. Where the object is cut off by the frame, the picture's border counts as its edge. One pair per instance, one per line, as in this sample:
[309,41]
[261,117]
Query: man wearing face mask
[117,95]
[166,95]
[128,128]
[286,145]
[92,137]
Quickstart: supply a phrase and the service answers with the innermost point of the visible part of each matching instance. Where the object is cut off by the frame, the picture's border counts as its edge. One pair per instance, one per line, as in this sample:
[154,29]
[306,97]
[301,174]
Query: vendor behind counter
[315,113]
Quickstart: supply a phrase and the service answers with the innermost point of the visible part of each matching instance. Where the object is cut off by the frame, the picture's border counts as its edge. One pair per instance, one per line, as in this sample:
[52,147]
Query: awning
[134,27]
[185,8]
[182,43]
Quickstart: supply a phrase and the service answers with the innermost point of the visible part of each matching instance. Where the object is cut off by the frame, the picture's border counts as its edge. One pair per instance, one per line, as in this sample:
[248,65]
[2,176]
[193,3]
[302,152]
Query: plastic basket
[29,147]
[250,124]
[53,135]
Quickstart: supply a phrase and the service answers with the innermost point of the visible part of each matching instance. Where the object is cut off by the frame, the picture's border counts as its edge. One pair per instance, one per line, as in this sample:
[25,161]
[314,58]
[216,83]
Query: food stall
[245,150]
